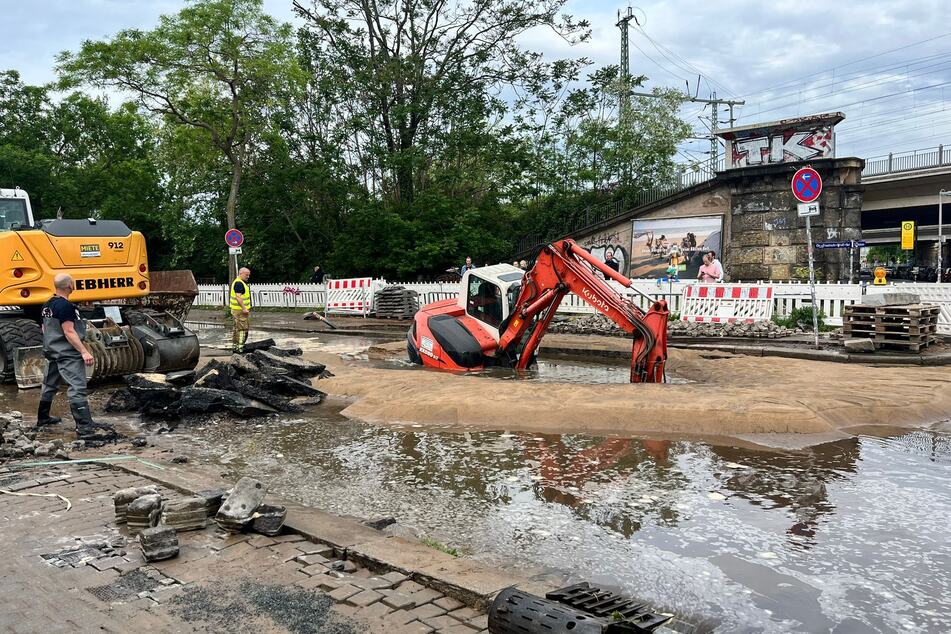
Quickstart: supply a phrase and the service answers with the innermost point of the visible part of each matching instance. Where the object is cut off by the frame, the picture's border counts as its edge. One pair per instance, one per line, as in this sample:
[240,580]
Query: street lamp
[941,195]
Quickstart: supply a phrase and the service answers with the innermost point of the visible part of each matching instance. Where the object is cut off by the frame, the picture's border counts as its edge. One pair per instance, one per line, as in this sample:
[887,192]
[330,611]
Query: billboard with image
[657,242]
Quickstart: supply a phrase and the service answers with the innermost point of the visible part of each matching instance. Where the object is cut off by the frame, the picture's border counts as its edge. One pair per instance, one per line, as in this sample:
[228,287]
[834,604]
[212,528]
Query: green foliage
[888,253]
[802,318]
[389,139]
[441,547]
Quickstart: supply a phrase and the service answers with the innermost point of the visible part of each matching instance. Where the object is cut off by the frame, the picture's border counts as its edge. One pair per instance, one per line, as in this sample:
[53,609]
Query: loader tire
[16,333]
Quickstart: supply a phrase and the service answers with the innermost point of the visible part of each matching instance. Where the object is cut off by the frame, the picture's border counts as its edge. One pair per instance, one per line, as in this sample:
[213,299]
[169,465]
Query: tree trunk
[237,168]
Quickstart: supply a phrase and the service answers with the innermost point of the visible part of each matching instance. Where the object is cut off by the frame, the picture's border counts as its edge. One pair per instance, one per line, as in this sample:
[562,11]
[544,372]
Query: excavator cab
[491,293]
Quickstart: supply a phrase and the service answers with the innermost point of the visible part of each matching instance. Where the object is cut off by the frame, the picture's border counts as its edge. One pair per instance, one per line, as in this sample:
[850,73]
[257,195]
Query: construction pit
[752,493]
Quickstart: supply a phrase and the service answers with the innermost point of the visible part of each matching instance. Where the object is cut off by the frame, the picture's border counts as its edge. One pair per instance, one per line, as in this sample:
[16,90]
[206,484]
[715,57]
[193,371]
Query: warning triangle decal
[16,257]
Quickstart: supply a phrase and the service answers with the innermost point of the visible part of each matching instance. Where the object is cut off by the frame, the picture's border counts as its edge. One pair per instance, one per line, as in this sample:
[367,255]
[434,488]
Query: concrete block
[236,511]
[859,345]
[890,298]
[158,543]
[185,515]
[143,512]
[122,498]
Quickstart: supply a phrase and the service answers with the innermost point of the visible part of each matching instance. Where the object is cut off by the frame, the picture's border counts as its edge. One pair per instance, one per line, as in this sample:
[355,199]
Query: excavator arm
[563,267]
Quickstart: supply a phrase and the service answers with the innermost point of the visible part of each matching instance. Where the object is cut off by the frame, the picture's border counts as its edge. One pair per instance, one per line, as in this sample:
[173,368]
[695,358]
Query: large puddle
[848,536]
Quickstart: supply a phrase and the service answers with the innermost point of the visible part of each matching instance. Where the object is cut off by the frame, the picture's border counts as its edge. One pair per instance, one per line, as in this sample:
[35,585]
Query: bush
[802,318]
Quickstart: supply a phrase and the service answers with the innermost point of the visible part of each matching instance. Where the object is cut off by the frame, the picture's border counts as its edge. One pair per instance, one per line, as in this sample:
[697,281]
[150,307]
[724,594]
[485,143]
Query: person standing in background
[240,305]
[318,275]
[468,266]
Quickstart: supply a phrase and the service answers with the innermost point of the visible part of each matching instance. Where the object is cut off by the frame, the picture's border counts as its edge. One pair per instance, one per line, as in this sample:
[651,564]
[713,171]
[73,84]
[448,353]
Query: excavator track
[16,333]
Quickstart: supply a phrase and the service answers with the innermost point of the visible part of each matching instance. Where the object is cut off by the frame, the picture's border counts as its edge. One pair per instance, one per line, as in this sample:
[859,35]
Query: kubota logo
[594,299]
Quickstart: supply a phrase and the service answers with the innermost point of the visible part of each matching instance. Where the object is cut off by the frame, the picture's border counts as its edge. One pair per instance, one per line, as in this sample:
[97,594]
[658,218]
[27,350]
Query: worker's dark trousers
[70,369]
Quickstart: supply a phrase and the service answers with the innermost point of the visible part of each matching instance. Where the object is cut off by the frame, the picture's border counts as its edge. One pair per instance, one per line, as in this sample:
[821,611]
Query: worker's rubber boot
[86,427]
[43,415]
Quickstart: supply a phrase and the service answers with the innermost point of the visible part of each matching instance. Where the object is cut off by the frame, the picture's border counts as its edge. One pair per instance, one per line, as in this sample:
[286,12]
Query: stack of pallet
[907,326]
[396,302]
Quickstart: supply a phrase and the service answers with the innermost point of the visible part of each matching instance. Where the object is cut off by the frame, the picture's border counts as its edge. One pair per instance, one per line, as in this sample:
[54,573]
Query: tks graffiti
[785,146]
[790,140]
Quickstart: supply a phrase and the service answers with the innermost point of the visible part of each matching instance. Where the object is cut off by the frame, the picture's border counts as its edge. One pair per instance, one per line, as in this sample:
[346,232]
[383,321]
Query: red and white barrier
[353,296]
[725,303]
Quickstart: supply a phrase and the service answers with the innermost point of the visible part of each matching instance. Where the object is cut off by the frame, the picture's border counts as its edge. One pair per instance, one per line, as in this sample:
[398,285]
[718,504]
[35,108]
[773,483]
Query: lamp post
[941,195]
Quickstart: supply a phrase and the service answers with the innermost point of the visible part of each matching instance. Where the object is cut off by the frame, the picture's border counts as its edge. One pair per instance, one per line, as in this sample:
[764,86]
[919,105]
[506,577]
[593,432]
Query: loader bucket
[173,292]
[29,366]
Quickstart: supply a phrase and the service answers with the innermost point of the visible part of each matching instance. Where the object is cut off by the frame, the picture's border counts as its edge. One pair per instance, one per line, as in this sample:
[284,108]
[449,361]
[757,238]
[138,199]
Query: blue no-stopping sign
[806,185]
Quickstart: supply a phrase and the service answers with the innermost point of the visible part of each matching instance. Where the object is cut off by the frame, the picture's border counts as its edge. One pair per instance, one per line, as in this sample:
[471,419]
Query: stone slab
[403,555]
[859,345]
[470,582]
[890,298]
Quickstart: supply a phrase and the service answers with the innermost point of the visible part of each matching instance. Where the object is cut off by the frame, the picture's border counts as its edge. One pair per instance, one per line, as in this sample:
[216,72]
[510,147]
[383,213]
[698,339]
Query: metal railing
[910,161]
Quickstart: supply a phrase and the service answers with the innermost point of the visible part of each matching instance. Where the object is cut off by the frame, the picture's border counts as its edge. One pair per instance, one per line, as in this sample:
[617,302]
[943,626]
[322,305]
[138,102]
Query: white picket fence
[787,296]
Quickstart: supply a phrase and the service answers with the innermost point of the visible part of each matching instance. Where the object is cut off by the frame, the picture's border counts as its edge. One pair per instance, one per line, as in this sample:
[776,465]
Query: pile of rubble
[265,380]
[18,440]
[600,325]
[156,521]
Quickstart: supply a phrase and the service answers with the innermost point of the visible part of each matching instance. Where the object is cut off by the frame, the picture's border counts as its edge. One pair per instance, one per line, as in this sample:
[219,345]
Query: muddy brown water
[847,536]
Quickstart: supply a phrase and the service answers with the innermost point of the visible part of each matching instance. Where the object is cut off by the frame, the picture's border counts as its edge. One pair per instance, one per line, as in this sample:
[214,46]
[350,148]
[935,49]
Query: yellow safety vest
[246,295]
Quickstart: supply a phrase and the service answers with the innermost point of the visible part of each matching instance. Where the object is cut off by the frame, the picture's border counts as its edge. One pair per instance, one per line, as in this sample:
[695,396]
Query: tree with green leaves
[414,72]
[219,67]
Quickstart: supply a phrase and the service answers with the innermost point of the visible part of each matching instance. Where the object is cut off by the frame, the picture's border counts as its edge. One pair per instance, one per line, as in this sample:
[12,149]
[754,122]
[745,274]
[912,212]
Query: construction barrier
[353,296]
[724,303]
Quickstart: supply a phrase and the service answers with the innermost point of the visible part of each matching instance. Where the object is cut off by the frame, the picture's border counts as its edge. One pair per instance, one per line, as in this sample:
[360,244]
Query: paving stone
[480,622]
[398,600]
[409,587]
[416,627]
[290,538]
[427,611]
[425,596]
[315,569]
[310,548]
[399,617]
[260,541]
[441,622]
[373,611]
[448,603]
[457,629]
[371,583]
[344,592]
[108,562]
[365,598]
[395,577]
[463,614]
[315,558]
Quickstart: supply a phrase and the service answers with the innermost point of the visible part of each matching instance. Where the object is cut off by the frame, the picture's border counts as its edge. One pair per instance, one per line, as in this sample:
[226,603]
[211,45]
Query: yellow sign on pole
[907,235]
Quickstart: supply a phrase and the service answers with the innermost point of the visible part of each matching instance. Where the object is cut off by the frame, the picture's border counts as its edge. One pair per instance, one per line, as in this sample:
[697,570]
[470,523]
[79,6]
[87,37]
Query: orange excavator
[502,314]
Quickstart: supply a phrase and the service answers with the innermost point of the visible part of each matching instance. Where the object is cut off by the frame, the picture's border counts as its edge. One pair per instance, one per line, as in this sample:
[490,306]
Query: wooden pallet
[911,326]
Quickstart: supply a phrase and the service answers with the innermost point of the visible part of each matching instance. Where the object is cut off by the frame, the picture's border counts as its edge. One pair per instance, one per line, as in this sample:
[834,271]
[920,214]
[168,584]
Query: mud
[716,394]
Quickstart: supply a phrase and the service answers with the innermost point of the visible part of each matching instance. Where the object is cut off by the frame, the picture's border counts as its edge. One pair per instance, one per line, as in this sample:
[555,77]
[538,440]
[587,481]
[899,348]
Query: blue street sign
[846,244]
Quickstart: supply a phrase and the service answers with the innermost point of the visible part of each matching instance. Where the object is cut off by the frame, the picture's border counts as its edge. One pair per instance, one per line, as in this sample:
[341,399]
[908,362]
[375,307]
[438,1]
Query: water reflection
[796,482]
[850,535]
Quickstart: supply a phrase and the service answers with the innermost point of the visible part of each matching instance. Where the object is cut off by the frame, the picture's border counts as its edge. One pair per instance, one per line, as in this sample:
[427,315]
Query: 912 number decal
[118,246]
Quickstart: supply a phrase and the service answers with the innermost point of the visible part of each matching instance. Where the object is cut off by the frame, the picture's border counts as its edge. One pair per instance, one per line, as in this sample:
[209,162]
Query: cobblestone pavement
[72,571]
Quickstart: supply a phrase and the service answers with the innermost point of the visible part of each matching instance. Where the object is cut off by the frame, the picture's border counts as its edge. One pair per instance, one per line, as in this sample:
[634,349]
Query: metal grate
[625,615]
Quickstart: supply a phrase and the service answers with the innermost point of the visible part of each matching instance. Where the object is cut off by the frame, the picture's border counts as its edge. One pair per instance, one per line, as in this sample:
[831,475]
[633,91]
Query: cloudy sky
[885,63]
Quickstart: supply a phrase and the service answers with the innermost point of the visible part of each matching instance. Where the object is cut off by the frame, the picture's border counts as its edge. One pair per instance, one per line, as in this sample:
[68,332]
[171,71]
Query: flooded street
[848,536]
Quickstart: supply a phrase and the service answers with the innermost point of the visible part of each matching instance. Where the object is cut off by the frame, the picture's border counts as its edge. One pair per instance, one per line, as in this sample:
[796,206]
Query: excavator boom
[502,315]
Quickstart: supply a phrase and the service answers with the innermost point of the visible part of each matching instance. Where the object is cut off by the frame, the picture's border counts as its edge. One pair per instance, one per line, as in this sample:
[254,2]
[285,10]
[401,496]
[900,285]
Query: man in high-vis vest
[240,309]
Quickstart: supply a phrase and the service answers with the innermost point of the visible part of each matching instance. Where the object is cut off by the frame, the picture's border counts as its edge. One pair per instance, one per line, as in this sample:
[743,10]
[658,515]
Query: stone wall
[767,239]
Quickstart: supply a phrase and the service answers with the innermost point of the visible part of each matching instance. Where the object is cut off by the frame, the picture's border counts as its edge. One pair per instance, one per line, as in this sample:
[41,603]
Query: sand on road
[728,395]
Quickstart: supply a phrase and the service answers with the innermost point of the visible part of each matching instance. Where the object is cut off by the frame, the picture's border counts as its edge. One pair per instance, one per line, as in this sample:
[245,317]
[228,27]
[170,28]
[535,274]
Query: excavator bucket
[172,292]
[29,366]
[649,356]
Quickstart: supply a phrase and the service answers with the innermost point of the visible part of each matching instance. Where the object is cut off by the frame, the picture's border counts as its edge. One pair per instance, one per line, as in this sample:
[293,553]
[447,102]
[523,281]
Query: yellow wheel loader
[134,315]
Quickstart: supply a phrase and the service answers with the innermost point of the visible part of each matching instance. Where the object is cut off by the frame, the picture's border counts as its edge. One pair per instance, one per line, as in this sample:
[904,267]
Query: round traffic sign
[234,238]
[806,185]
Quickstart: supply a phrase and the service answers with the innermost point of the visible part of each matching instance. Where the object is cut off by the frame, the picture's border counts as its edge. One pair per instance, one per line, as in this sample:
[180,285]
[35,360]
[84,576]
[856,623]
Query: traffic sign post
[806,187]
[234,239]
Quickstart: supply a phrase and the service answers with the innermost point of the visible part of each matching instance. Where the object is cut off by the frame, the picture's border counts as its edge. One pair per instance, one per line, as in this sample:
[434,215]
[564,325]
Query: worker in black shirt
[67,357]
